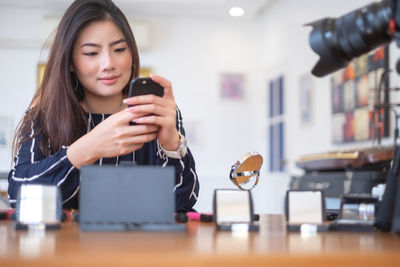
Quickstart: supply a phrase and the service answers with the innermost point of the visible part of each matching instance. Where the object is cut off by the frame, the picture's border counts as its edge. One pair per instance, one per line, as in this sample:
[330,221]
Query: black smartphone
[144,86]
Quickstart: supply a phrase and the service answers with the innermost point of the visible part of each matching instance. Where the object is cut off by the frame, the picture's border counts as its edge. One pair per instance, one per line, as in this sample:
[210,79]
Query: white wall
[192,53]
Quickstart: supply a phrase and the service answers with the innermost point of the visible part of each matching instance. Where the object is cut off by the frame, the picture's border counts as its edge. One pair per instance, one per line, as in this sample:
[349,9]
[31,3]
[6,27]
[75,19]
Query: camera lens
[338,41]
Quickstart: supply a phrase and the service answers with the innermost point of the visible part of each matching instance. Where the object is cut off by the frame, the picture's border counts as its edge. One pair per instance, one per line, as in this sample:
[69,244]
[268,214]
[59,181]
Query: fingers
[133,143]
[114,136]
[134,130]
[153,114]
[152,109]
[117,126]
[145,99]
[123,117]
[129,138]
[156,120]
[164,83]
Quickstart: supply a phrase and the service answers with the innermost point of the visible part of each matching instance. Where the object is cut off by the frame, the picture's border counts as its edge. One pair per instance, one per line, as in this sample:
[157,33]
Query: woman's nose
[107,62]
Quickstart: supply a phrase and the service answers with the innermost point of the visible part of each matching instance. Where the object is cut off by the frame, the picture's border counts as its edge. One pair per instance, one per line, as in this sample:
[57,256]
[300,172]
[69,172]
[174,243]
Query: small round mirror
[246,172]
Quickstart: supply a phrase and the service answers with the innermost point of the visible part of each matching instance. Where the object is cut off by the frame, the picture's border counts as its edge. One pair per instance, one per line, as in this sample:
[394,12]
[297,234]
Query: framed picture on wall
[232,86]
[354,94]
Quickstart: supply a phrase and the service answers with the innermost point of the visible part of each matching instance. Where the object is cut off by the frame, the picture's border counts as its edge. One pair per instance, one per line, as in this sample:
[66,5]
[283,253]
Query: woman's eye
[90,54]
[120,50]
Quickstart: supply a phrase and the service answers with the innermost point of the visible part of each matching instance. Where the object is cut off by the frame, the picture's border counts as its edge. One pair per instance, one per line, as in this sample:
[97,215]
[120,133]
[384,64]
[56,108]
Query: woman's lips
[109,80]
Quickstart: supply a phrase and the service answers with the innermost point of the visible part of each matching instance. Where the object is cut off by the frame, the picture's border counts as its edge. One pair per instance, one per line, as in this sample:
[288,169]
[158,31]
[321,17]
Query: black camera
[338,40]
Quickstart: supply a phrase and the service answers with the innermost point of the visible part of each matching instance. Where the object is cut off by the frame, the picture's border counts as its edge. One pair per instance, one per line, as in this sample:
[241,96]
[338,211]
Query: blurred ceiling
[152,8]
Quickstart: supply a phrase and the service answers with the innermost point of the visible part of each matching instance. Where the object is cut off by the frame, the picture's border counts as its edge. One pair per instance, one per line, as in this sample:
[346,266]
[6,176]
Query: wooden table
[200,245]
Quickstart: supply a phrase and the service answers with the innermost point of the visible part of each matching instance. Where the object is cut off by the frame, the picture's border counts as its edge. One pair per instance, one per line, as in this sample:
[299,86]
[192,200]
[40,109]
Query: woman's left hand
[157,110]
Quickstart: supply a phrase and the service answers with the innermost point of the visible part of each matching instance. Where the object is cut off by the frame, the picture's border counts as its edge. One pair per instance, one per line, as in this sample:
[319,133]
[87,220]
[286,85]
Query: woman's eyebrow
[90,44]
[111,44]
[118,41]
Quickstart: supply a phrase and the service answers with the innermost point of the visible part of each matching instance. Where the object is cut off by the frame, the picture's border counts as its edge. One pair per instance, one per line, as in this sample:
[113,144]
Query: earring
[77,84]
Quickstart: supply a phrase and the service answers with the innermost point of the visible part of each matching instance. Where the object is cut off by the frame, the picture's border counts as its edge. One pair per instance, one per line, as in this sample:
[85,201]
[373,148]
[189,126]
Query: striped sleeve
[186,180]
[30,167]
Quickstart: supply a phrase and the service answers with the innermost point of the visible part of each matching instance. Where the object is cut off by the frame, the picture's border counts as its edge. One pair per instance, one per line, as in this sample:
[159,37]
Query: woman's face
[102,59]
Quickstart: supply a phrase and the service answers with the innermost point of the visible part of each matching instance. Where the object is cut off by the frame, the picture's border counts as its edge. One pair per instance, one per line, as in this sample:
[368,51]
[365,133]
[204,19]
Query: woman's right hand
[110,138]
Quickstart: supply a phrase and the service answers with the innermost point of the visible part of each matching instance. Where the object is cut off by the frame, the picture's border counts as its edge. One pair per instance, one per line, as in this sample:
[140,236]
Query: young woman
[80,113]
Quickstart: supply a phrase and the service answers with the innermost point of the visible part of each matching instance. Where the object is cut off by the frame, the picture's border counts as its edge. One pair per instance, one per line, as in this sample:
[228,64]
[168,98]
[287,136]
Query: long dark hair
[55,111]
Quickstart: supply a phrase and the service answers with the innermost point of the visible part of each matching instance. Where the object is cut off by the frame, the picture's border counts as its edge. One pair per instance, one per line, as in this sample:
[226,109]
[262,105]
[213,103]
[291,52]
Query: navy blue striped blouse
[31,167]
